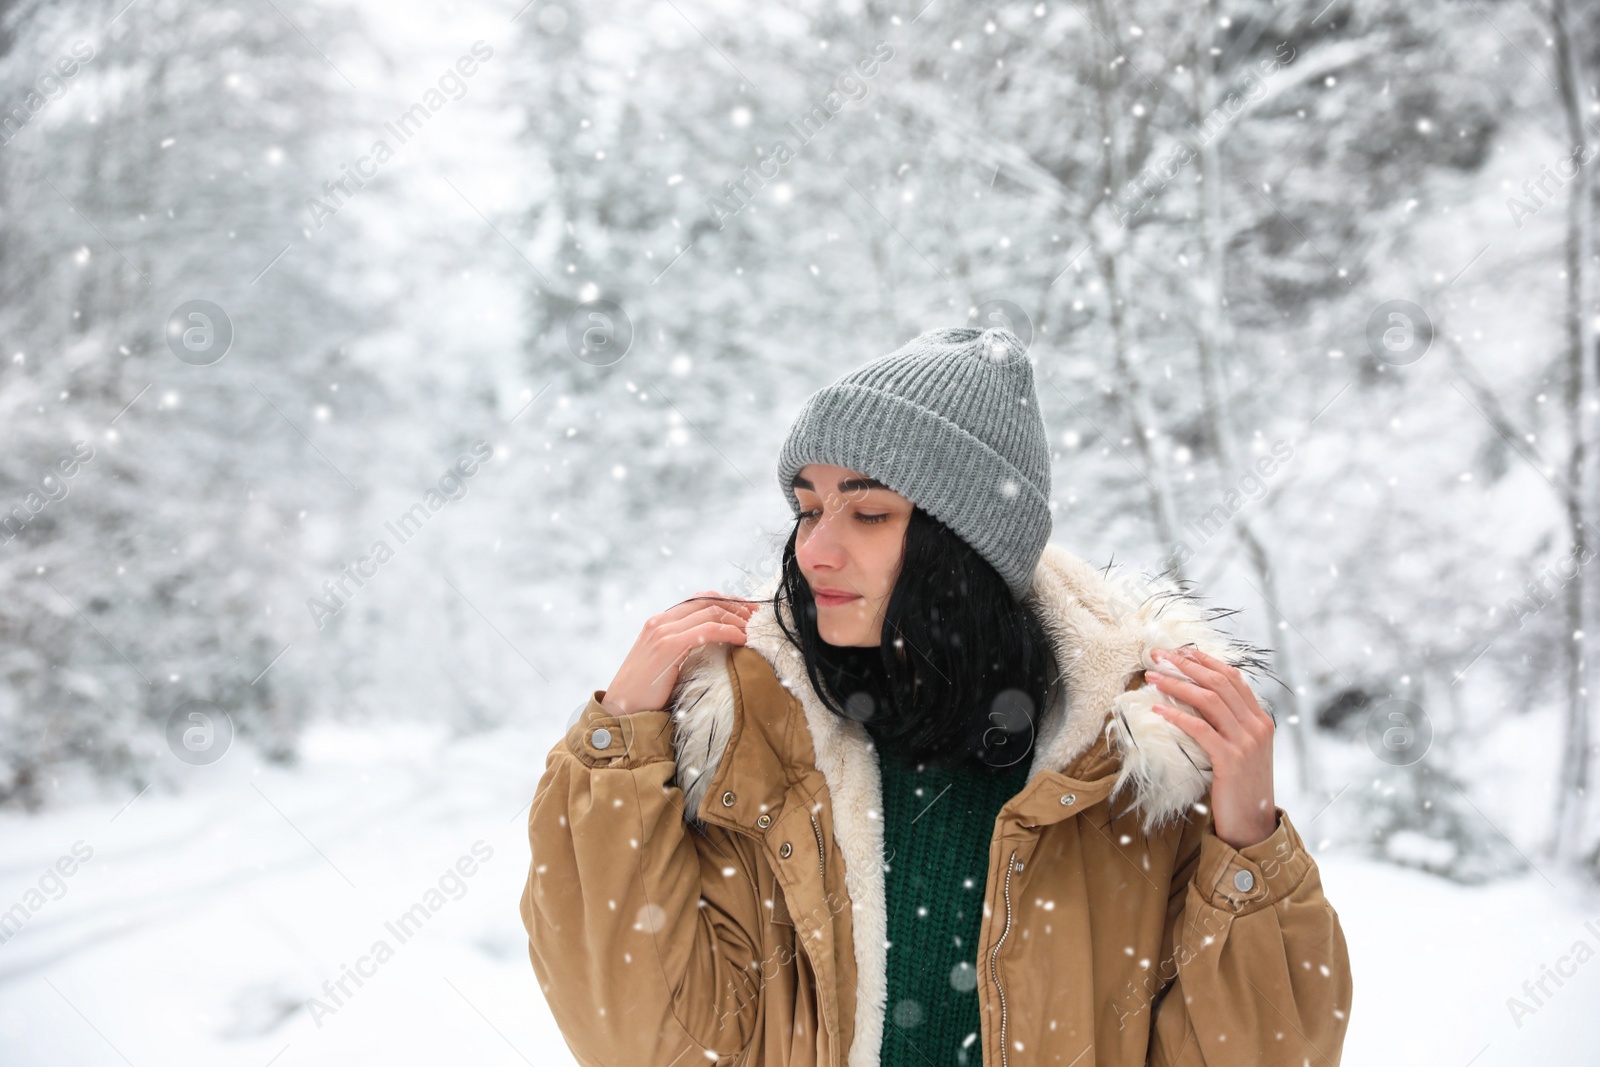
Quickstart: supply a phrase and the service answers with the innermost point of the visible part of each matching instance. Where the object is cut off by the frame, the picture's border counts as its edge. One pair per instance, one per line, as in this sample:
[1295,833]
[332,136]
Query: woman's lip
[832,598]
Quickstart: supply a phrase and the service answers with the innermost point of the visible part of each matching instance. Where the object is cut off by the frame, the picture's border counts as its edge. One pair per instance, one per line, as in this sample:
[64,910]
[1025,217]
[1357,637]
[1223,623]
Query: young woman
[943,794]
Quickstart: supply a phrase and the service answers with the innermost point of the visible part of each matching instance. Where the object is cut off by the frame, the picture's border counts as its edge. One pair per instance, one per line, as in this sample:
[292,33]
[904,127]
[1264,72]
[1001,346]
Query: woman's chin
[854,639]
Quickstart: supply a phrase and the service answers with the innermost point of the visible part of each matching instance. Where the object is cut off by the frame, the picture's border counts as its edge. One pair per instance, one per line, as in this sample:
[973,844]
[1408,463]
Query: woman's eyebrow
[846,486]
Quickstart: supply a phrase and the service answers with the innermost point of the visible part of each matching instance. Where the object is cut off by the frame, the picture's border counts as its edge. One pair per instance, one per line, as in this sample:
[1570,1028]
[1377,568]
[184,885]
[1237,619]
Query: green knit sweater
[937,826]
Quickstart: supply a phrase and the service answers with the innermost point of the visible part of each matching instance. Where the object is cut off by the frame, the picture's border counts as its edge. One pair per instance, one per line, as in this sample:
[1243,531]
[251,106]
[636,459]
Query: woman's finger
[681,644]
[708,611]
[1211,705]
[1209,740]
[1235,677]
[707,633]
[667,647]
[1227,681]
[685,608]
[701,600]
[726,603]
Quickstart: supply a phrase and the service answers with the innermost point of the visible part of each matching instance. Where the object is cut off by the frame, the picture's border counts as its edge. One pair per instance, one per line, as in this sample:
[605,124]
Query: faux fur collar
[1103,623]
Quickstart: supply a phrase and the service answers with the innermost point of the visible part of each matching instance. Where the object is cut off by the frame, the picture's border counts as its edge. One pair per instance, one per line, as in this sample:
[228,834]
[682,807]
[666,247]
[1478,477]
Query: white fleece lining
[1103,627]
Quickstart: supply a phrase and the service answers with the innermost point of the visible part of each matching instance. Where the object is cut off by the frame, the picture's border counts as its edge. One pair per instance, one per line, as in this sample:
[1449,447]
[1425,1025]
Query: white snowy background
[1417,545]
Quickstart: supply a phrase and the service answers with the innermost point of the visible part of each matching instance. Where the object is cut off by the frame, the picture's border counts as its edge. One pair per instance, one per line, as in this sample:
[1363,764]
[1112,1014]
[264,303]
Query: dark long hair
[963,670]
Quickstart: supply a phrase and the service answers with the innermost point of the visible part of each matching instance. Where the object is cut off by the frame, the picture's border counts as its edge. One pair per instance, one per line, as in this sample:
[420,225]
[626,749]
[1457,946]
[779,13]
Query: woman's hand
[1234,731]
[644,681]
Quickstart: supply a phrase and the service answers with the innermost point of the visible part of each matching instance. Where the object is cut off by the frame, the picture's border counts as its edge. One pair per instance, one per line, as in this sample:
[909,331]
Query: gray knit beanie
[951,422]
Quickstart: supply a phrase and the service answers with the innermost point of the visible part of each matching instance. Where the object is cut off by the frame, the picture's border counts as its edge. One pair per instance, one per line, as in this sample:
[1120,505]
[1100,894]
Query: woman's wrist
[619,706]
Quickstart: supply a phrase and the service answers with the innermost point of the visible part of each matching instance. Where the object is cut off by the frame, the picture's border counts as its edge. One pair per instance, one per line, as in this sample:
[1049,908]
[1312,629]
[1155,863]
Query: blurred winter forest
[1310,290]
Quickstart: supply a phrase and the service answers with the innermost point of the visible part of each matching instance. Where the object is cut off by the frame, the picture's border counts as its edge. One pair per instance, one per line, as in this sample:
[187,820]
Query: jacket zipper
[994,973]
[818,830]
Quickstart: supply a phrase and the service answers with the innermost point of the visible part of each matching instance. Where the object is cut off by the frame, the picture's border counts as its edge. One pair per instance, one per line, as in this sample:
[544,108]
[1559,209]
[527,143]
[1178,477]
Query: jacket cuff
[1242,880]
[602,739]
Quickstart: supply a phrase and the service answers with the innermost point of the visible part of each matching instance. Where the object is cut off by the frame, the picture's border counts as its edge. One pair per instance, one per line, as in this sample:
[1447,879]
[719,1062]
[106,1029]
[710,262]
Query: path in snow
[202,923]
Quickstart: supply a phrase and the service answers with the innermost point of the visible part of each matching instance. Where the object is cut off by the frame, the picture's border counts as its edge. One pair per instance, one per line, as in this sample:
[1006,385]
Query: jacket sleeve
[1262,973]
[640,927]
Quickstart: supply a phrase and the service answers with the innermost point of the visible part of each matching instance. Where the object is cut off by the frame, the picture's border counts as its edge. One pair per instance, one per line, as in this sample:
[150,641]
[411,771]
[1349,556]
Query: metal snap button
[727,800]
[784,850]
[1244,881]
[763,821]
[601,738]
[1069,798]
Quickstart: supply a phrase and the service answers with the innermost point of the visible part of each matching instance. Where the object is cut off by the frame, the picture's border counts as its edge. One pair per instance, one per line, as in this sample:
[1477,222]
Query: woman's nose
[820,548]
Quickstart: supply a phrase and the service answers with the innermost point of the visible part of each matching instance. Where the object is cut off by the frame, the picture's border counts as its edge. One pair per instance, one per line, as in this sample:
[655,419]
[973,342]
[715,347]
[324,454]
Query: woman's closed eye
[816,513]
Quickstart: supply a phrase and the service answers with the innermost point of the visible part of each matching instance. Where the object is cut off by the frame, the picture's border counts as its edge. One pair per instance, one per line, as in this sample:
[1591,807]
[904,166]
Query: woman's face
[849,544]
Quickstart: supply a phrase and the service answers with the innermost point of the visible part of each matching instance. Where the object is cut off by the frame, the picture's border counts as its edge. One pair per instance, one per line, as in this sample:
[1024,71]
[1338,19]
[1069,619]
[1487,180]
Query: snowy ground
[203,922]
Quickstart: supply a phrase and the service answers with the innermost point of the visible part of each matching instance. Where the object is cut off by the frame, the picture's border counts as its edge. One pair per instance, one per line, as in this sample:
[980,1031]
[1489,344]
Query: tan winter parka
[707,881]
